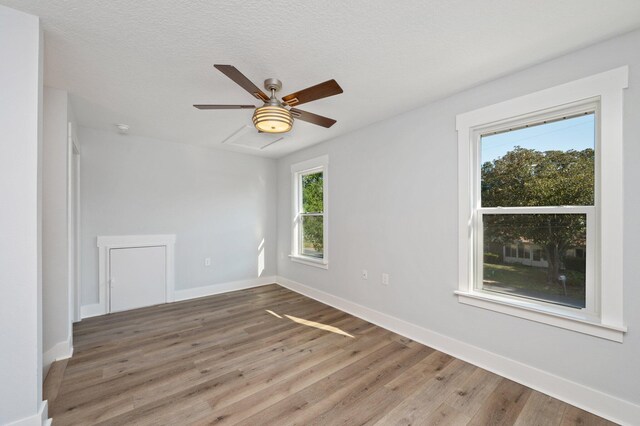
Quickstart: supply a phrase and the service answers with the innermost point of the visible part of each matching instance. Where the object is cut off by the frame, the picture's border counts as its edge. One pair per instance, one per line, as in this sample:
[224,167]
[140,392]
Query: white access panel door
[138,277]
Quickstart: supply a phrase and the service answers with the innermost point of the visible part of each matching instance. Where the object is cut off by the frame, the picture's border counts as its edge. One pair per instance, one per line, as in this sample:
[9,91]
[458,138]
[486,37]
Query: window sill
[306,260]
[556,317]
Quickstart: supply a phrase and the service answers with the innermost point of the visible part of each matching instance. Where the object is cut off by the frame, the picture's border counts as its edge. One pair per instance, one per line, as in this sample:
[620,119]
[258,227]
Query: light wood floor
[270,356]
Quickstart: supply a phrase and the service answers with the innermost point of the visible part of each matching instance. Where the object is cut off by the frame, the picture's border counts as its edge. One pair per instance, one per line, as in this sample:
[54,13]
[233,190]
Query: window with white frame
[310,224]
[540,187]
[536,191]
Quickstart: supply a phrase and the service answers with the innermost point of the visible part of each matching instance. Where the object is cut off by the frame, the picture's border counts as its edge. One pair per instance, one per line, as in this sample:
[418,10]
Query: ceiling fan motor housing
[273,84]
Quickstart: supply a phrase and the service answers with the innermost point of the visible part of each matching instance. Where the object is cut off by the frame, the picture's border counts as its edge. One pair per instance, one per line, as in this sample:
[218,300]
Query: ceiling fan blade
[235,75]
[225,106]
[312,118]
[319,91]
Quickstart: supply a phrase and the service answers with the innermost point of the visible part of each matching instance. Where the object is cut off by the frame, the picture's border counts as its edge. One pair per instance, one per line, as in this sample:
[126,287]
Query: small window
[309,235]
[312,215]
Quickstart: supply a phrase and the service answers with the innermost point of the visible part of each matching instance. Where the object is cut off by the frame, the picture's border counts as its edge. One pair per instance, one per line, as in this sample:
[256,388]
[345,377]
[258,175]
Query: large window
[540,188]
[537,190]
[309,236]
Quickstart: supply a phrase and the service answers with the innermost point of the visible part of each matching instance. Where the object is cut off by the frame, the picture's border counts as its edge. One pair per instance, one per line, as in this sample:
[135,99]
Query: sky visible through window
[573,133]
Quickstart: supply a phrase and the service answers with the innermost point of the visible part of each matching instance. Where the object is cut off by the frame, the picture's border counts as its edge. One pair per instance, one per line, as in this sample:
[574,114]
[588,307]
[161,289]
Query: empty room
[319,213]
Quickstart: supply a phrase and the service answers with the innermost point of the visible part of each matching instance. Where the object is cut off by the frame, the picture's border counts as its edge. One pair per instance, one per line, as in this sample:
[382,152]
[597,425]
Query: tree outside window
[312,215]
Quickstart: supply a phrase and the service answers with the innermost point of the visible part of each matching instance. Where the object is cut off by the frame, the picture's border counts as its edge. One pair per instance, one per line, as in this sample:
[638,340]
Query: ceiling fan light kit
[272,117]
[277,116]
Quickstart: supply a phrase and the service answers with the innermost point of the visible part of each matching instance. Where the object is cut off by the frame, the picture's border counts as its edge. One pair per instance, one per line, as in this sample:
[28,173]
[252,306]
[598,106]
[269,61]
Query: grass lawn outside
[531,282]
[309,250]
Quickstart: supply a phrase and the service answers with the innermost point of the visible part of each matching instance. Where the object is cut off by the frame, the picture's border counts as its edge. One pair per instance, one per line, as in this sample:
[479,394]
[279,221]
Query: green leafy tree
[526,177]
[312,202]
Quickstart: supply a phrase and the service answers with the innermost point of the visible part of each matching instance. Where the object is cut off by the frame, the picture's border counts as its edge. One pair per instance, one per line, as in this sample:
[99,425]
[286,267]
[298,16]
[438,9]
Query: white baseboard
[93,310]
[210,290]
[586,398]
[60,350]
[41,418]
[96,309]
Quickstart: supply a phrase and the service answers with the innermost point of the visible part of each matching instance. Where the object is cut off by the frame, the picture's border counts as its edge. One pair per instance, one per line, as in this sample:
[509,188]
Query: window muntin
[536,192]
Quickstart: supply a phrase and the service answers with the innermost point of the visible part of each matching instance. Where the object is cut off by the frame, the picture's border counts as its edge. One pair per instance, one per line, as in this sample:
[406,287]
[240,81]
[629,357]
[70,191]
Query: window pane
[312,201]
[544,165]
[556,271]
[312,236]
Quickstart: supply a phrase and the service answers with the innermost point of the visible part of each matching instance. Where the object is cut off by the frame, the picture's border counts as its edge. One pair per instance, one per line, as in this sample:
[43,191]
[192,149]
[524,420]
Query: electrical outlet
[365,274]
[207,261]
[385,279]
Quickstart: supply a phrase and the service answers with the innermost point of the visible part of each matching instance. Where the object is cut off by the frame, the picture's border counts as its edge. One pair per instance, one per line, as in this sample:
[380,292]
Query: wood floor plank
[446,415]
[329,389]
[267,355]
[428,368]
[342,406]
[303,375]
[575,416]
[53,381]
[541,410]
[418,406]
[503,405]
[165,407]
[473,393]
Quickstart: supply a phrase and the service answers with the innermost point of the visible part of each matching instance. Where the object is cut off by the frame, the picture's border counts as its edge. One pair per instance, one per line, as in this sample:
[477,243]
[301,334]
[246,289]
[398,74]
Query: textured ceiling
[145,62]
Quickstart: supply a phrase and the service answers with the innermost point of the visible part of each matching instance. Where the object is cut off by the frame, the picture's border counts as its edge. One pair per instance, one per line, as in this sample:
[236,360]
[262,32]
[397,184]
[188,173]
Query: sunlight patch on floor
[314,324]
[319,325]
[274,314]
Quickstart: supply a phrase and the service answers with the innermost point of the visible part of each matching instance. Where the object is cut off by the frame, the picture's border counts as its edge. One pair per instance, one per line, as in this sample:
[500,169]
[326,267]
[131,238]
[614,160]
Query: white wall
[219,204]
[20,277]
[56,332]
[393,198]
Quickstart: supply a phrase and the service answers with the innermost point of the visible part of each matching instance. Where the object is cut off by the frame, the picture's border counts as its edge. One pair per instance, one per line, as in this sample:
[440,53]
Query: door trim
[73,226]
[108,242]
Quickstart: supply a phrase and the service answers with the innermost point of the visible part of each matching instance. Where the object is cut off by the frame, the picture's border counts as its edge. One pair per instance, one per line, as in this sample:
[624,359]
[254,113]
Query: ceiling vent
[248,137]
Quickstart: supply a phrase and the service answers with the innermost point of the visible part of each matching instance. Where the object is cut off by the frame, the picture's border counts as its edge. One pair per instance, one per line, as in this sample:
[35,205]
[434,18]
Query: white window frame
[603,316]
[591,310]
[319,164]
